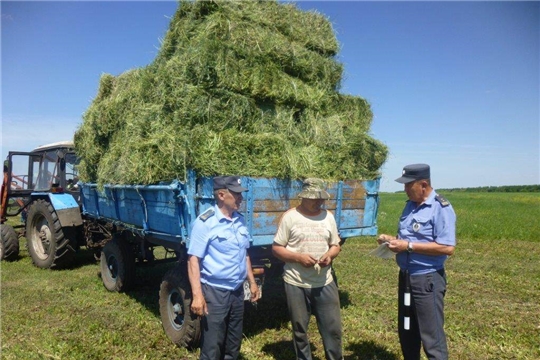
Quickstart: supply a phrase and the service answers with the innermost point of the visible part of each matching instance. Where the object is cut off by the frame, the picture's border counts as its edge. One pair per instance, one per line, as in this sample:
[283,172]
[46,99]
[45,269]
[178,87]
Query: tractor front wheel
[47,242]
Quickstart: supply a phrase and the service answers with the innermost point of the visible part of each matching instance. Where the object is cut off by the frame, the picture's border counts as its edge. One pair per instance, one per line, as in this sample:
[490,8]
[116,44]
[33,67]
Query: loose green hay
[238,87]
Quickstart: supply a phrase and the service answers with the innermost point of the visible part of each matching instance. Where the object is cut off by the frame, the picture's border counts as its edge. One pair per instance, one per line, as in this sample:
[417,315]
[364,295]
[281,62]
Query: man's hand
[385,238]
[394,244]
[198,305]
[306,260]
[255,292]
[325,260]
[398,245]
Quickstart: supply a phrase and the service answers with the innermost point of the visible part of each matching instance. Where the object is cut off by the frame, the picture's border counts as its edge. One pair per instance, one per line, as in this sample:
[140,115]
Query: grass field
[492,304]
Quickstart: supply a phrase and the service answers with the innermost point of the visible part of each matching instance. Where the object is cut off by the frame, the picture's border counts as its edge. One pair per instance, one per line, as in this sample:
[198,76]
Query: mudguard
[67,209]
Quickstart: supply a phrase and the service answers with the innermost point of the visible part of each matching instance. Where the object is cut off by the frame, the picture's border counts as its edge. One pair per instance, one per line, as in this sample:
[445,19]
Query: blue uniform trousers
[426,316]
[222,327]
[323,302]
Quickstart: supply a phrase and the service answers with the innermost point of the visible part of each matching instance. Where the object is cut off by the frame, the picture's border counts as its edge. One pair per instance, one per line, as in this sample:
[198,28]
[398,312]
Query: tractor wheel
[9,244]
[47,242]
[182,327]
[117,265]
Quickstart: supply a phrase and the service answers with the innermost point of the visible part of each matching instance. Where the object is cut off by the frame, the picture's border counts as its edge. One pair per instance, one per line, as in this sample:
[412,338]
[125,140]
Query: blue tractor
[40,187]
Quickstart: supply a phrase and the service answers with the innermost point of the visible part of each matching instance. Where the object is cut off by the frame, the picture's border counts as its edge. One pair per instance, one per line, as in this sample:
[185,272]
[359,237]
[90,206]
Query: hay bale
[238,87]
[311,29]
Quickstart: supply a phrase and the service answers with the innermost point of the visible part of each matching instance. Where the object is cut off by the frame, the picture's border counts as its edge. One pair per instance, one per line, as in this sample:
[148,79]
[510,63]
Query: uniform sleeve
[245,233]
[445,226]
[198,239]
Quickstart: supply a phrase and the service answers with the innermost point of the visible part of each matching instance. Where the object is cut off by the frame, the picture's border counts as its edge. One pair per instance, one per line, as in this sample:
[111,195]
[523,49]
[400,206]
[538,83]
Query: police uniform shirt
[221,244]
[433,221]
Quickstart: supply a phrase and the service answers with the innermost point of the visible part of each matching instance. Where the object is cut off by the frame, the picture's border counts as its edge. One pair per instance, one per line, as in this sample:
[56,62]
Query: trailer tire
[47,242]
[9,246]
[117,262]
[181,326]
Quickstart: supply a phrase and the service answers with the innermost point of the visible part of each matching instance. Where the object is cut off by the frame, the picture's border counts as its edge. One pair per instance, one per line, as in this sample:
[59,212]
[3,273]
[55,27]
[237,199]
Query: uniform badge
[416,227]
[208,213]
[442,200]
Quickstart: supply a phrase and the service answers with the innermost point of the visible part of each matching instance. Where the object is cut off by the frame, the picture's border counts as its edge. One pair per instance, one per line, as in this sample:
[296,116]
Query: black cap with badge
[232,183]
[414,172]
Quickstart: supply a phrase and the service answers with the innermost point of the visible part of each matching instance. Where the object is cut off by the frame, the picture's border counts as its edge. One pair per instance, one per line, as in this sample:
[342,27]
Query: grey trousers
[426,316]
[322,302]
[222,327]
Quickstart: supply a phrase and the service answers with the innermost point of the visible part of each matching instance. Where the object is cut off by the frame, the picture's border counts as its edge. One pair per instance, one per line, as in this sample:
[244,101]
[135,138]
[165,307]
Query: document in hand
[382,251]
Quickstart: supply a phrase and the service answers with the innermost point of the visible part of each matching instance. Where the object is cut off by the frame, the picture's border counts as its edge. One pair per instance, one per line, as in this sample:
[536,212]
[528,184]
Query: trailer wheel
[47,243]
[180,325]
[117,265]
[9,246]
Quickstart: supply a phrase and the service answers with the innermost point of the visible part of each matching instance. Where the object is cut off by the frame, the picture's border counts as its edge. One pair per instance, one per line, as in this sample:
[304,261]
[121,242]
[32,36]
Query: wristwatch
[409,247]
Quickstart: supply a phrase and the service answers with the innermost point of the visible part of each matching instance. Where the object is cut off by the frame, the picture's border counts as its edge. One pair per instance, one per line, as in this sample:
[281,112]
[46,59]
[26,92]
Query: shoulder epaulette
[442,200]
[208,213]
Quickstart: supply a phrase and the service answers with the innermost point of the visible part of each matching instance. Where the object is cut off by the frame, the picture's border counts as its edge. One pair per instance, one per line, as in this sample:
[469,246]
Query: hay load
[238,87]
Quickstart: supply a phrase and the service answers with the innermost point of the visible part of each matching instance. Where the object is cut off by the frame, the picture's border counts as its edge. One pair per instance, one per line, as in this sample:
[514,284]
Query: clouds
[7,17]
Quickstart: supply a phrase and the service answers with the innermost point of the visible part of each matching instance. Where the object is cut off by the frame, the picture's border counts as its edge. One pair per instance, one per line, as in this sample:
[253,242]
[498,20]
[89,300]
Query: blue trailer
[132,225]
[133,220]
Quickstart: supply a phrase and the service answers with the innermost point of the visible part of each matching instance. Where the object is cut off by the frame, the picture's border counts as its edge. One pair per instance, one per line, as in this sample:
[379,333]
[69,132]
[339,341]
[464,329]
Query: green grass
[492,304]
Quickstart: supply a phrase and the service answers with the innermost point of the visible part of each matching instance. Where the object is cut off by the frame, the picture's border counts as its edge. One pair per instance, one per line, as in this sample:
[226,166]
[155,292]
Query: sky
[452,84]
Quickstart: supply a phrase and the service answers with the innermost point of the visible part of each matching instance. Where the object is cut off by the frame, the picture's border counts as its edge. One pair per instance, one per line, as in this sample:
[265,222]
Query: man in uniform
[218,264]
[426,237]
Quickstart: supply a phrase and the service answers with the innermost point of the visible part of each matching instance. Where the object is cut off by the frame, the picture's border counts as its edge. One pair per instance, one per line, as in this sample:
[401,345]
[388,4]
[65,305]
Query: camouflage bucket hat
[313,188]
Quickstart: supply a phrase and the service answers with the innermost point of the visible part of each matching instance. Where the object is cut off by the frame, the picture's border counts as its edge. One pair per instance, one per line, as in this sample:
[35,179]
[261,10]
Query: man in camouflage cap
[313,188]
[307,241]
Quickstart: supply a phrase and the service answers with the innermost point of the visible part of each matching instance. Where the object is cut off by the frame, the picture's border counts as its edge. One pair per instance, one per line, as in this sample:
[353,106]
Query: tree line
[506,188]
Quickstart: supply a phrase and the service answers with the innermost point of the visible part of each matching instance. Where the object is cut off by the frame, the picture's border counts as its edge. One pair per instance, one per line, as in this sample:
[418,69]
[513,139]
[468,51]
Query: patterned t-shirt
[307,235]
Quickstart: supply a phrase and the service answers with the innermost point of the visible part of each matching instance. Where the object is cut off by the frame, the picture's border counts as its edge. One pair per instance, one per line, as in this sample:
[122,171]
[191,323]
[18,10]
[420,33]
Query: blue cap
[414,172]
[232,183]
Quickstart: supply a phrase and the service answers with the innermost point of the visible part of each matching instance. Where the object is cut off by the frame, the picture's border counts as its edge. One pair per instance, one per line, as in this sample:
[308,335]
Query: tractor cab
[32,176]
[48,168]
